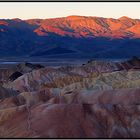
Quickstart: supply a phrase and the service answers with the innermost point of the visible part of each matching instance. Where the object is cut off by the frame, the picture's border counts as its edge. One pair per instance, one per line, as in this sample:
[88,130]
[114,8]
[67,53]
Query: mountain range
[72,36]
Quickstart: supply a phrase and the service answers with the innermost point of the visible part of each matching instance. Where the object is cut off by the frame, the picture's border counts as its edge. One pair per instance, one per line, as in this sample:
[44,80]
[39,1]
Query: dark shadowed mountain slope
[72,36]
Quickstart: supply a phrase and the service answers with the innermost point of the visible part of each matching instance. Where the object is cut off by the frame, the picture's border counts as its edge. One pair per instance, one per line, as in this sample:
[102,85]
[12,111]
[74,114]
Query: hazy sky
[28,10]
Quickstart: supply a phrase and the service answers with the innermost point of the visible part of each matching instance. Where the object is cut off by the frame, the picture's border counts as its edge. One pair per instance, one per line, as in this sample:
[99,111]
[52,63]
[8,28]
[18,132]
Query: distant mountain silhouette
[72,36]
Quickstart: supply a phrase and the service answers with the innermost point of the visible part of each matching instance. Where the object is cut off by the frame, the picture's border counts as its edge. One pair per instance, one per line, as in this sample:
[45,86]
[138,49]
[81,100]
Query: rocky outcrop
[15,75]
[4,74]
[28,67]
[95,100]
[5,92]
[105,114]
[114,80]
[71,81]
[43,78]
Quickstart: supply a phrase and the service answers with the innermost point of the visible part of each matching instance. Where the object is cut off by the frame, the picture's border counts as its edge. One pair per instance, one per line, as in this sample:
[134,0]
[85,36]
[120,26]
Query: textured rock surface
[5,92]
[96,100]
[111,114]
[71,81]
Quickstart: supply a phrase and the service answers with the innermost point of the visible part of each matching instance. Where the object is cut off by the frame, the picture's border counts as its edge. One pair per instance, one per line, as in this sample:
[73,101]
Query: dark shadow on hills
[18,39]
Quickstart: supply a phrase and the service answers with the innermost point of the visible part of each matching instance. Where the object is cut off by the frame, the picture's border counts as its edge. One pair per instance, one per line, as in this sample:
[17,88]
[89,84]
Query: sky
[43,10]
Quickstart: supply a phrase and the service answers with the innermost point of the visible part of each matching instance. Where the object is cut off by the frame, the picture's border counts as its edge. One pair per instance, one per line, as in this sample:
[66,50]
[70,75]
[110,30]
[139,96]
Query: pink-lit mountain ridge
[81,26]
[84,36]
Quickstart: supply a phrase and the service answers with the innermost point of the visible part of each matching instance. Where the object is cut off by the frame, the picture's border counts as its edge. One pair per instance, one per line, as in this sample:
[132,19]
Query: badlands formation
[100,99]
